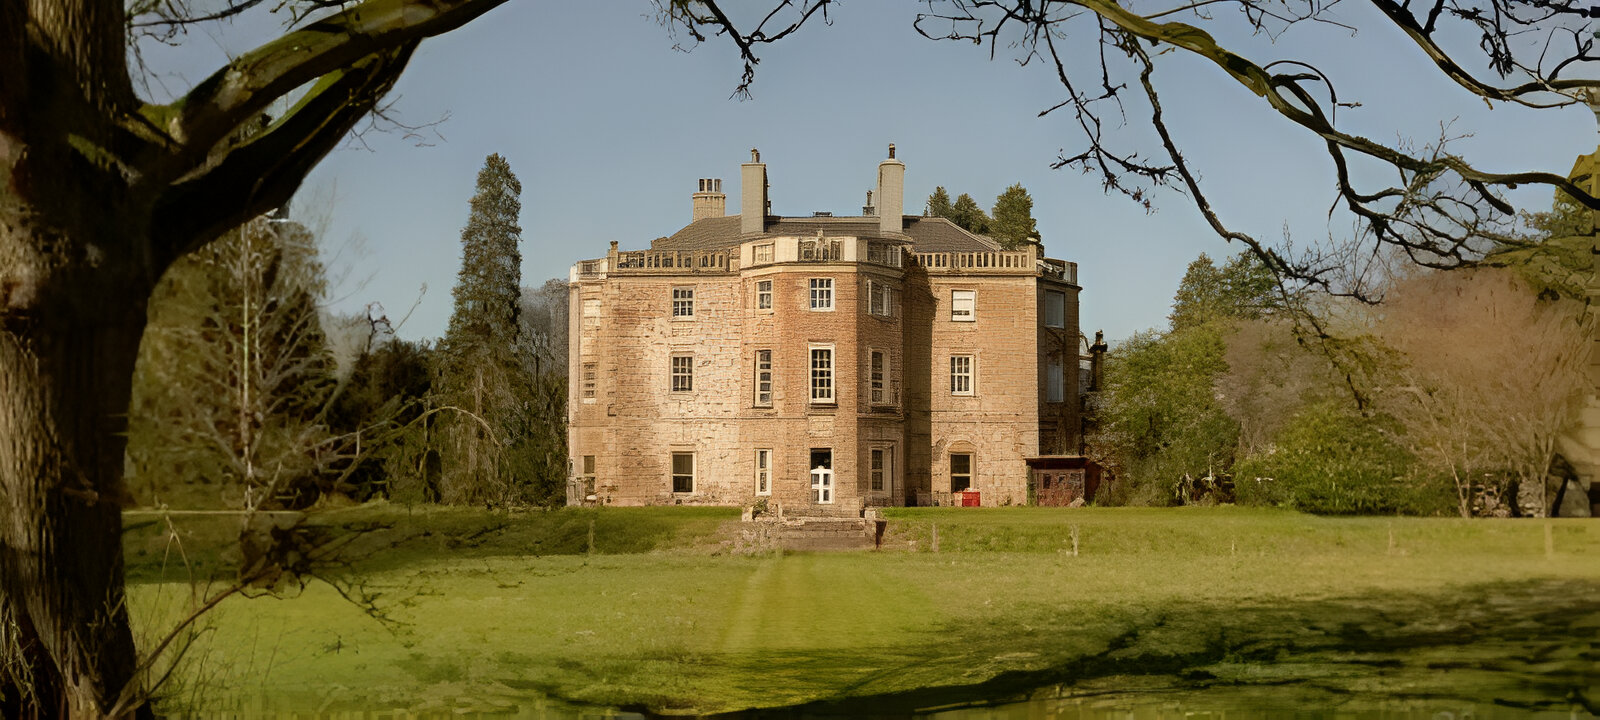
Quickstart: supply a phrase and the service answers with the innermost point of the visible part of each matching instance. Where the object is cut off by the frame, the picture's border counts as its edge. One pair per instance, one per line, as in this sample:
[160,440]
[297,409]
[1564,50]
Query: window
[878,377]
[1055,382]
[763,253]
[763,472]
[960,471]
[822,475]
[683,472]
[1055,309]
[960,374]
[882,458]
[963,305]
[590,375]
[586,480]
[682,373]
[682,302]
[821,293]
[764,378]
[883,254]
[880,298]
[764,295]
[822,375]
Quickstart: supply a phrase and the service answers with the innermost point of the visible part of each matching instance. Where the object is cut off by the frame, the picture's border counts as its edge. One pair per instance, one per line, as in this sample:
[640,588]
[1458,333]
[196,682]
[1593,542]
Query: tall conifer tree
[1012,221]
[939,204]
[480,364]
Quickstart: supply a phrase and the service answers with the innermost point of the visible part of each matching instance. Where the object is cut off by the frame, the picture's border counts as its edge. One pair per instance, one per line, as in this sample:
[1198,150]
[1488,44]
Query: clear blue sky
[609,127]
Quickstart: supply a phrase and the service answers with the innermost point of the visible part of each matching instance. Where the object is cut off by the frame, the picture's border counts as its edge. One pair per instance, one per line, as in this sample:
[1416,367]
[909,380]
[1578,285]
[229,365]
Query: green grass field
[492,610]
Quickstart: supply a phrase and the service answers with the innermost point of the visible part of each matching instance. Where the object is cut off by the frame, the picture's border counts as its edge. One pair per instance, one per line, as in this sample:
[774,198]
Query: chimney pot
[709,202]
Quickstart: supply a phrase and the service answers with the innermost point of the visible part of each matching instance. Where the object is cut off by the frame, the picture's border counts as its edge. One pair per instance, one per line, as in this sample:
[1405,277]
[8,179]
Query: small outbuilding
[1062,480]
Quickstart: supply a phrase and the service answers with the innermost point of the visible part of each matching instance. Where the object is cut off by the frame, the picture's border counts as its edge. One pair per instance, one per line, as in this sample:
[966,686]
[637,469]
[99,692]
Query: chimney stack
[868,210]
[891,195]
[753,201]
[709,202]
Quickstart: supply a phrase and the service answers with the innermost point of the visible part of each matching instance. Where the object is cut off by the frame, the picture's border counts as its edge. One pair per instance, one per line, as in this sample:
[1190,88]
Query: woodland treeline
[249,393]
[1445,398]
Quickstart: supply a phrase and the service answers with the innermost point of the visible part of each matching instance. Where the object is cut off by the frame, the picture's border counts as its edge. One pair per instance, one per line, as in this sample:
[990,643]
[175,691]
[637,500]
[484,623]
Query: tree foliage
[1242,289]
[1158,419]
[939,204]
[235,378]
[1484,378]
[968,215]
[1330,458]
[1012,222]
[505,441]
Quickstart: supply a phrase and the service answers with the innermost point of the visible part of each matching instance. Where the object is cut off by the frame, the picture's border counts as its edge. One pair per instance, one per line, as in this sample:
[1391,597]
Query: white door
[822,485]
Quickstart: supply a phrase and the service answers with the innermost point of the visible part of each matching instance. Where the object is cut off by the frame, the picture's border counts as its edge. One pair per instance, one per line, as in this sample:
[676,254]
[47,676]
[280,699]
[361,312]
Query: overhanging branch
[263,172]
[241,90]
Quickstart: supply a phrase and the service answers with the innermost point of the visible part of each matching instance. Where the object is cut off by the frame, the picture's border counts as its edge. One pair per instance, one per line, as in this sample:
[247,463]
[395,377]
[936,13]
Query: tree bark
[98,195]
[69,335]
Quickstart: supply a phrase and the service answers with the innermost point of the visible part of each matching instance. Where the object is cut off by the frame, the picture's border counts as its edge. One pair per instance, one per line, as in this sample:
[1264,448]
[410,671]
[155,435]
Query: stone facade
[823,363]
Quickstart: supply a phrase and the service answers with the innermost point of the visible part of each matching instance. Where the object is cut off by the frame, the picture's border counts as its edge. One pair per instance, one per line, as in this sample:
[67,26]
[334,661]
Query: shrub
[1330,459]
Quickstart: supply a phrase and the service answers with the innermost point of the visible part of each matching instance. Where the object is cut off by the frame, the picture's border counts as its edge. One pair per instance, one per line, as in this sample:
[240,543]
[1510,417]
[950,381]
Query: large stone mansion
[886,359]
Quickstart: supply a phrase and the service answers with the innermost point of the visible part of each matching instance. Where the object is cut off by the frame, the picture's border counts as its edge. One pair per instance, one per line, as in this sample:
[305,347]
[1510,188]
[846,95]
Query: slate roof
[928,234]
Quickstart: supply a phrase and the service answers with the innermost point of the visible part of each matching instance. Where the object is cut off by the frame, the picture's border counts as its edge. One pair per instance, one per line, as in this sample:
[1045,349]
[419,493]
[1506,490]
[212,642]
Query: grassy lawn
[492,610]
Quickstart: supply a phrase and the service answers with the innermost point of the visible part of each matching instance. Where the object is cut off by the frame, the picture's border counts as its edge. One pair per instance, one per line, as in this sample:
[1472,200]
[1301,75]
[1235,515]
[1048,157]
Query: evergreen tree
[1243,288]
[488,292]
[968,215]
[1013,224]
[939,203]
[1199,296]
[500,448]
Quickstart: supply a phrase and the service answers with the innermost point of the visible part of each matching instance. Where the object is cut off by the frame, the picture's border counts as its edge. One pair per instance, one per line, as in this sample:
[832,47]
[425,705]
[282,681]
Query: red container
[970,498]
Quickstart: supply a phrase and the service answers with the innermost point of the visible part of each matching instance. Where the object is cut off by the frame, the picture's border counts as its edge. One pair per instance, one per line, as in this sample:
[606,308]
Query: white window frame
[591,381]
[764,471]
[763,294]
[681,368]
[683,302]
[821,294]
[763,253]
[763,376]
[963,305]
[673,474]
[963,375]
[826,392]
[1051,297]
[878,377]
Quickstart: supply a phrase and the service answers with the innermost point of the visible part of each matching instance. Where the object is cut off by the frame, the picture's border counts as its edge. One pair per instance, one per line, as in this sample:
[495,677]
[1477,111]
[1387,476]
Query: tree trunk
[69,335]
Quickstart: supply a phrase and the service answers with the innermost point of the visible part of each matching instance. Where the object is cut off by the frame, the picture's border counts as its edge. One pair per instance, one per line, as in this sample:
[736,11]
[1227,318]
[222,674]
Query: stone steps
[822,534]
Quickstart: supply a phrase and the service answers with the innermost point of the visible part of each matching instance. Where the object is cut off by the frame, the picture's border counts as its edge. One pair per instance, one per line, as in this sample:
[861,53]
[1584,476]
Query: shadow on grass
[162,549]
[1528,646]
